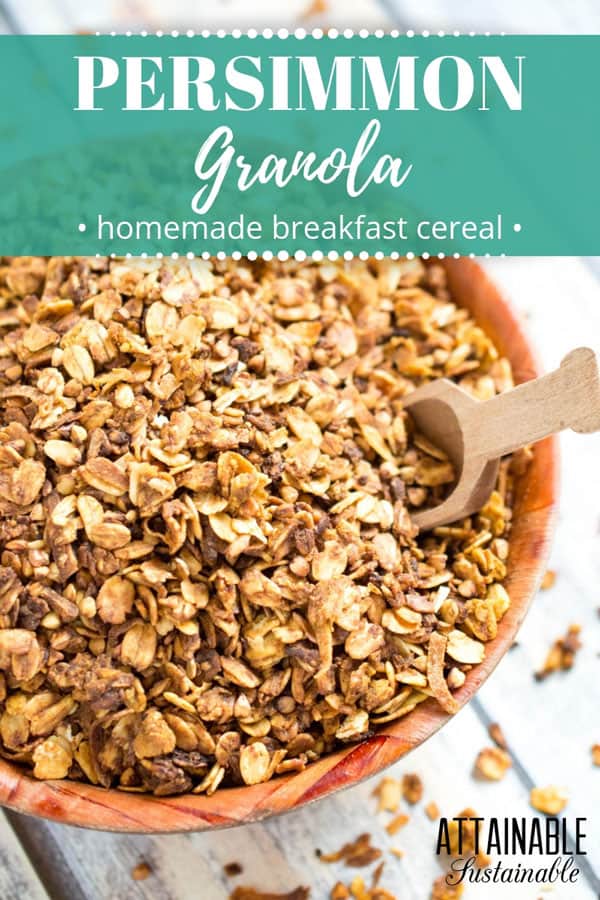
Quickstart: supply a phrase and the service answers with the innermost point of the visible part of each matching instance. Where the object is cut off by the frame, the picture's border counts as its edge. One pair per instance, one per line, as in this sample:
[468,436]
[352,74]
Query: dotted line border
[301,255]
[299,33]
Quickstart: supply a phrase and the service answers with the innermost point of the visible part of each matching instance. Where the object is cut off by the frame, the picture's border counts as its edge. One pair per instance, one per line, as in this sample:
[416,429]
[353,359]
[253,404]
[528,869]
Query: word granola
[209,573]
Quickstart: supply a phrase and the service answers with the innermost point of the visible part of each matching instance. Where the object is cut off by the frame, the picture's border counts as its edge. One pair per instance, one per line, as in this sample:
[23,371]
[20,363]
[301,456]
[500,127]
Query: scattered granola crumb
[562,653]
[397,852]
[339,892]
[359,890]
[377,873]
[389,793]
[596,754]
[315,8]
[548,580]
[470,828]
[355,853]
[412,788]
[492,763]
[141,871]
[549,800]
[397,823]
[432,811]
[443,891]
[232,869]
[497,735]
[250,893]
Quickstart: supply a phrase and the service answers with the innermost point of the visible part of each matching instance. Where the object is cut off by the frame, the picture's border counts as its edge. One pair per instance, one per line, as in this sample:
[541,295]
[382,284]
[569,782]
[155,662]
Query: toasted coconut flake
[357,853]
[435,673]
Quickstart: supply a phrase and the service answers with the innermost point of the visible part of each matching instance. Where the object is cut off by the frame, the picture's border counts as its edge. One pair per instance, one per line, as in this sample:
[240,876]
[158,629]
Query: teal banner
[214,144]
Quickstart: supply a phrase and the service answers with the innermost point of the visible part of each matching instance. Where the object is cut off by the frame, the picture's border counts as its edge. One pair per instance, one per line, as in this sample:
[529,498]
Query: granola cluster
[209,574]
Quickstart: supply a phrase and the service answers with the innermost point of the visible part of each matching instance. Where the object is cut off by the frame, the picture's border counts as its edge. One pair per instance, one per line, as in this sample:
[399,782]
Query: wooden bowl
[534,513]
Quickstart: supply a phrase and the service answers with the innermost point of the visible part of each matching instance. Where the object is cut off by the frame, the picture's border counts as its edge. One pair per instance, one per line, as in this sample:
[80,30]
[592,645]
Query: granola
[412,788]
[561,656]
[141,871]
[492,763]
[432,811]
[441,890]
[208,570]
[249,893]
[358,890]
[549,580]
[497,735]
[389,794]
[464,837]
[357,853]
[549,800]
[397,823]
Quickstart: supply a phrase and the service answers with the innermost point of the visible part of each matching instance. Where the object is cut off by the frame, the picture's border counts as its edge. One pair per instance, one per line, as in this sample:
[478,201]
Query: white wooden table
[550,726]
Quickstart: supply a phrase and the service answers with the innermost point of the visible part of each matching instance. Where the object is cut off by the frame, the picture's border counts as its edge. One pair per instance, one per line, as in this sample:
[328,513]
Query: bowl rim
[90,806]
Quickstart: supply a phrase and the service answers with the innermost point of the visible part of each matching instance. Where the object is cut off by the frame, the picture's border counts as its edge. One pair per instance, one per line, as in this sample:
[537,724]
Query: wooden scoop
[476,434]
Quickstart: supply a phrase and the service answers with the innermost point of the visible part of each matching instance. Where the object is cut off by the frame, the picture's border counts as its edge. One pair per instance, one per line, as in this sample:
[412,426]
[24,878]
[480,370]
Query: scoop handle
[569,397]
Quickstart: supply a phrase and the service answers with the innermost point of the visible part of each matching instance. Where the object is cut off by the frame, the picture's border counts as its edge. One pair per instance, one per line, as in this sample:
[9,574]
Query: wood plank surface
[18,878]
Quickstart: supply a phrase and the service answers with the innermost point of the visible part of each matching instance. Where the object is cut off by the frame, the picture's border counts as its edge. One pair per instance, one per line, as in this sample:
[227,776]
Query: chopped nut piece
[315,8]
[441,890]
[561,656]
[232,869]
[358,890]
[497,735]
[115,600]
[397,823]
[365,640]
[412,788]
[248,893]
[389,792]
[549,800]
[596,754]
[432,811]
[154,738]
[462,836]
[548,580]
[141,871]
[492,763]
[53,758]
[339,892]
